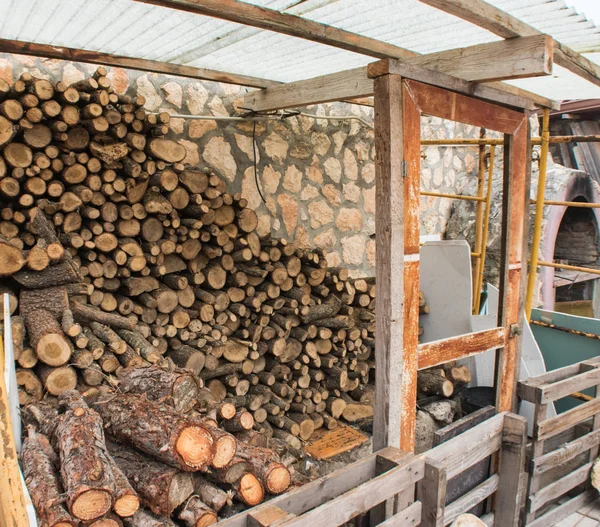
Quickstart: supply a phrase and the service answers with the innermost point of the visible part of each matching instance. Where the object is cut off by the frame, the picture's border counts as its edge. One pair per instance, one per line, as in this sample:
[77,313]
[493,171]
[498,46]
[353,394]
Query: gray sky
[590,8]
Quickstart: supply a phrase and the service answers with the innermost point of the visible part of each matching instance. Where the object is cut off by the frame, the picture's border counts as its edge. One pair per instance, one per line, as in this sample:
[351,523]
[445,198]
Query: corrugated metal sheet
[134,29]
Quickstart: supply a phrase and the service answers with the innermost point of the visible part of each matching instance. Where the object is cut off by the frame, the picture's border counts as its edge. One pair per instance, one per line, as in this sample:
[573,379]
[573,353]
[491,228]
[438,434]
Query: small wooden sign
[334,442]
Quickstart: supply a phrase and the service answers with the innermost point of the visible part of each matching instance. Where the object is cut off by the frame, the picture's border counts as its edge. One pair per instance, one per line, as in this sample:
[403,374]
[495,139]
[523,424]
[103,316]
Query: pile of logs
[153,464]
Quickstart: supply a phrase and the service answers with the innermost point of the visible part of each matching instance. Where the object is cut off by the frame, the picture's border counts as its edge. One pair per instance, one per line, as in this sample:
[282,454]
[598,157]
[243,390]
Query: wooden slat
[94,57]
[577,383]
[566,420]
[464,451]
[285,23]
[475,496]
[564,510]
[362,498]
[565,453]
[317,492]
[507,26]
[512,460]
[516,180]
[269,516]
[559,487]
[462,346]
[526,57]
[431,491]
[389,239]
[409,517]
[440,102]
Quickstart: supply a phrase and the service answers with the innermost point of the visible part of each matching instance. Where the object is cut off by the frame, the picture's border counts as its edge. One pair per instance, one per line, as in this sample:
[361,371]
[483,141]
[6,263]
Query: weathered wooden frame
[399,104]
[544,390]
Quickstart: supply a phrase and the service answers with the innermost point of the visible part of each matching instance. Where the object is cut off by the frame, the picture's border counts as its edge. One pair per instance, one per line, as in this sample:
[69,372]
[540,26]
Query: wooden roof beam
[94,57]
[522,57]
[507,26]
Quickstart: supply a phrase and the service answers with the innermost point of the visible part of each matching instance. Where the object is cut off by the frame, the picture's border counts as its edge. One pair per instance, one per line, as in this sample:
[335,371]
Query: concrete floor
[588,516]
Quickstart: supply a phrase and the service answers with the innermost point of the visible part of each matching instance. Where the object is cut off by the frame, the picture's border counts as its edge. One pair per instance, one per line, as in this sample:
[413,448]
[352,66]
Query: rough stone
[270,179]
[333,259]
[306,122]
[333,169]
[362,151]
[438,177]
[338,139]
[369,200]
[275,147]
[192,156]
[349,220]
[282,129]
[217,153]
[309,192]
[350,165]
[195,98]
[272,206]
[173,93]
[432,154]
[147,89]
[301,150]
[292,181]
[320,213]
[289,212]
[264,225]
[217,107]
[302,237]
[6,73]
[332,194]
[249,190]
[351,192]
[177,125]
[371,252]
[313,172]
[248,126]
[246,145]
[326,240]
[353,249]
[71,74]
[198,127]
[469,163]
[321,143]
[119,80]
[368,173]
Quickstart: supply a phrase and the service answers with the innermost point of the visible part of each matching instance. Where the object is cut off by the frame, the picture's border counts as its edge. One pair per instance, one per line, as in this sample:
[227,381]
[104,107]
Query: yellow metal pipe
[452,196]
[580,204]
[479,218]
[534,140]
[539,212]
[486,226]
[569,267]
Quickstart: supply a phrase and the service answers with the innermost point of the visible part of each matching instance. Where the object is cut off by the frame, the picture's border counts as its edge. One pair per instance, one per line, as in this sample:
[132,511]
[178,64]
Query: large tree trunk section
[160,487]
[85,465]
[11,258]
[62,273]
[52,299]
[47,339]
[57,380]
[157,430]
[175,387]
[38,460]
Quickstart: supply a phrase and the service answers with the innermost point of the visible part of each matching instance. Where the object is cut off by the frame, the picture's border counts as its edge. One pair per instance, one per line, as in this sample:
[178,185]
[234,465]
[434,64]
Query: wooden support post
[517,172]
[397,134]
[431,492]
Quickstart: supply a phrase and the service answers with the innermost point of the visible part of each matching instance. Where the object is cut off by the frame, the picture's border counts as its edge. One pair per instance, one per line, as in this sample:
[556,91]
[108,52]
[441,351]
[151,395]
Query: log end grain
[91,504]
[195,445]
[250,490]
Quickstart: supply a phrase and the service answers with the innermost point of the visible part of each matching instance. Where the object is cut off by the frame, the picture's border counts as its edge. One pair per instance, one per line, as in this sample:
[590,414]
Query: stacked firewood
[173,464]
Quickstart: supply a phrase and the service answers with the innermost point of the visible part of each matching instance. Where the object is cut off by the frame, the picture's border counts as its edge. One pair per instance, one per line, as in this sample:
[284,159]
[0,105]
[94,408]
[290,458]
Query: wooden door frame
[399,104]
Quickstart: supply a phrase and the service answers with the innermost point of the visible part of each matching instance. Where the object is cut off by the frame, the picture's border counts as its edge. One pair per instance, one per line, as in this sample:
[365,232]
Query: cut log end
[195,446]
[225,448]
[91,504]
[53,349]
[278,480]
[127,505]
[250,490]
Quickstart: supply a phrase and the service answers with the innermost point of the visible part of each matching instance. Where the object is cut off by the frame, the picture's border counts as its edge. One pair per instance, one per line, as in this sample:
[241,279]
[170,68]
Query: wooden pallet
[564,447]
[356,490]
[505,434]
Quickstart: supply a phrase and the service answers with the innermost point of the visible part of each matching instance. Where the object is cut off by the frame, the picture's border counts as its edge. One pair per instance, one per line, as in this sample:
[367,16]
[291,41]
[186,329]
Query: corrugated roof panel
[135,29]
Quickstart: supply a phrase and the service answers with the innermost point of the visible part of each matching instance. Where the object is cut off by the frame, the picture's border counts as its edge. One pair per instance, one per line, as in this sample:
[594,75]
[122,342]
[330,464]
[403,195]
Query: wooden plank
[565,453]
[409,517]
[389,239]
[517,166]
[94,57]
[333,442]
[364,497]
[512,461]
[446,104]
[507,26]
[466,502]
[503,60]
[462,346]
[12,505]
[285,23]
[552,376]
[464,451]
[566,509]
[431,492]
[555,425]
[462,425]
[577,383]
[269,516]
[558,488]
[317,492]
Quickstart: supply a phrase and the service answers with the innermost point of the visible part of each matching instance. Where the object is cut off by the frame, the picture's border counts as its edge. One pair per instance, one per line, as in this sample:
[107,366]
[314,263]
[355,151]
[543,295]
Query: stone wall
[317,175]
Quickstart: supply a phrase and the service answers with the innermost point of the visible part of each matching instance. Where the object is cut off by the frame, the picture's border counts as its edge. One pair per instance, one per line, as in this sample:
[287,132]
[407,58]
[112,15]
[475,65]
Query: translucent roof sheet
[138,30]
